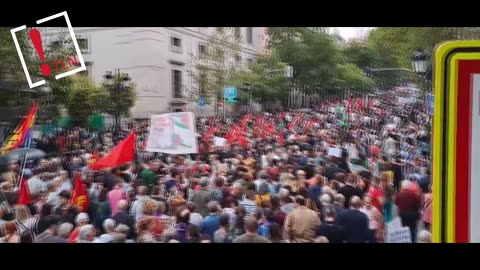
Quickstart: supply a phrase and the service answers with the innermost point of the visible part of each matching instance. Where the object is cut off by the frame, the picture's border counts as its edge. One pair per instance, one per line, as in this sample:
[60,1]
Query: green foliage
[212,69]
[360,54]
[265,77]
[11,69]
[84,98]
[10,66]
[395,47]
[351,77]
[313,56]
[119,99]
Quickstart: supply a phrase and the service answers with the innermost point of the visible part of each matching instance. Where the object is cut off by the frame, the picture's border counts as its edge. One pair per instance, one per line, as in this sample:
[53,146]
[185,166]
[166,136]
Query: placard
[172,133]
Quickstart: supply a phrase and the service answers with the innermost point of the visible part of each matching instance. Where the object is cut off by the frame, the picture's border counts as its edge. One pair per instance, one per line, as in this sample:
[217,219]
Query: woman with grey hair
[109,227]
[87,234]
[65,230]
[121,234]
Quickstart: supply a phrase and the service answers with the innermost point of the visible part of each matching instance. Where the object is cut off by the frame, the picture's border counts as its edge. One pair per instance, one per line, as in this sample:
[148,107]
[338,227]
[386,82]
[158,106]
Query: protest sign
[401,235]
[172,133]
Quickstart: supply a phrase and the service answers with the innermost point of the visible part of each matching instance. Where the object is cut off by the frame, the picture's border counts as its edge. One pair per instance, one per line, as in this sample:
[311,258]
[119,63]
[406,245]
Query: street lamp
[419,62]
[116,82]
[108,78]
[248,87]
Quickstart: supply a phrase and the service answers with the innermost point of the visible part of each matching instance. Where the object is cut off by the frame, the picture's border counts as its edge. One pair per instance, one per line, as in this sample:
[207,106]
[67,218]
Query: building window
[202,49]
[176,45]
[238,33]
[177,83]
[55,44]
[249,34]
[176,42]
[83,44]
[249,61]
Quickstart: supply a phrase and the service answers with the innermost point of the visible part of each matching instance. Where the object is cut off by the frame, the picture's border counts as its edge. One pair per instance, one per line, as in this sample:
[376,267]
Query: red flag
[80,196]
[122,153]
[24,196]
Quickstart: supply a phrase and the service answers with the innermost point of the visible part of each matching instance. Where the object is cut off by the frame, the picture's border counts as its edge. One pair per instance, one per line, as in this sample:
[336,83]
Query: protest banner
[172,133]
[399,235]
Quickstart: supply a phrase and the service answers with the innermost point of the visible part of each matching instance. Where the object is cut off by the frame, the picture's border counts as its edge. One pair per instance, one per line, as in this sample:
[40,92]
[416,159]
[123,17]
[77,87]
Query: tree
[11,69]
[351,77]
[265,84]
[120,97]
[313,56]
[212,68]
[84,98]
[360,54]
[396,45]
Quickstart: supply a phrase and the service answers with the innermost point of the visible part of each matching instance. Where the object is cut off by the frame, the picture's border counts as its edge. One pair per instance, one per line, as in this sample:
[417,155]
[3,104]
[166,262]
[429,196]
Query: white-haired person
[108,236]
[122,232]
[424,237]
[81,220]
[87,234]
[325,201]
[65,229]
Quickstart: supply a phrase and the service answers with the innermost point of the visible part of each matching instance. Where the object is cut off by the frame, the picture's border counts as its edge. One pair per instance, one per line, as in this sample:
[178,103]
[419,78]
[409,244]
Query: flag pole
[24,161]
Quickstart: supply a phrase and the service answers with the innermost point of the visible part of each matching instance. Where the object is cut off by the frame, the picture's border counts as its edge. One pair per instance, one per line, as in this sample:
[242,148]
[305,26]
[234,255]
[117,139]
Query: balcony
[176,49]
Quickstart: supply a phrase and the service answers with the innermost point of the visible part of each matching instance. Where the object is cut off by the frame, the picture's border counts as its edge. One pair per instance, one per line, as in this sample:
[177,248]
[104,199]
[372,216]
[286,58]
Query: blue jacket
[210,225]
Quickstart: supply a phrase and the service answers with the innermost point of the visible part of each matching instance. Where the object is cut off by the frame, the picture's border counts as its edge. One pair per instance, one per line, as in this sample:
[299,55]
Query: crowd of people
[337,173]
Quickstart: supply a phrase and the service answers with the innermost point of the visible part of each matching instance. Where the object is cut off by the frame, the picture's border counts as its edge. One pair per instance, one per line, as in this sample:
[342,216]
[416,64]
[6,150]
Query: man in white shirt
[36,184]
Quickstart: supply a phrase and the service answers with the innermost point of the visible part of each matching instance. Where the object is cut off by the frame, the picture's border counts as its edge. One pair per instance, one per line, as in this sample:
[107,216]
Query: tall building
[156,58]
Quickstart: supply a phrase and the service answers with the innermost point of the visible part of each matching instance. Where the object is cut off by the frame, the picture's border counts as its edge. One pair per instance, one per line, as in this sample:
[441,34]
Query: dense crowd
[335,173]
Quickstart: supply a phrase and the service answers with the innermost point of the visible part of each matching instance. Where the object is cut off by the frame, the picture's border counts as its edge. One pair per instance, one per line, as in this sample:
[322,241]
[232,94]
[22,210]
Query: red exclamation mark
[37,43]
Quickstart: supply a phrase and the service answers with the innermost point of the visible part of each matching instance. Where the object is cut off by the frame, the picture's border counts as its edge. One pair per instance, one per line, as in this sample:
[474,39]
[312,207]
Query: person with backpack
[27,225]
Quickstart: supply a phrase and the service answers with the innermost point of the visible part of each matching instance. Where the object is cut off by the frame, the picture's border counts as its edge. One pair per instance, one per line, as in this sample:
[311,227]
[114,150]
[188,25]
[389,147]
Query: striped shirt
[27,224]
[250,207]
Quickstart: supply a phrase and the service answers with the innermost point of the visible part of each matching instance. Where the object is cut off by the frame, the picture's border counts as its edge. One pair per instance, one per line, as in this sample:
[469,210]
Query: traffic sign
[201,103]
[456,140]
[230,92]
[430,104]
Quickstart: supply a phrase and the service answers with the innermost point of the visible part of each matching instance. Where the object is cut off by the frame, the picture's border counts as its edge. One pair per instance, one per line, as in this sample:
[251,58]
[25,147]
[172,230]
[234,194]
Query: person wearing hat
[50,235]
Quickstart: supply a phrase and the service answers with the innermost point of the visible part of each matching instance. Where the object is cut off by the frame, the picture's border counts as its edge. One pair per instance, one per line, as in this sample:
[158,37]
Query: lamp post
[248,87]
[116,83]
[422,67]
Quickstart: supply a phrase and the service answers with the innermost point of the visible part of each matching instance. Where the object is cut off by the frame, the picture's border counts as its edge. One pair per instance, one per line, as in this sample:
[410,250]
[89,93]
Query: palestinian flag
[182,120]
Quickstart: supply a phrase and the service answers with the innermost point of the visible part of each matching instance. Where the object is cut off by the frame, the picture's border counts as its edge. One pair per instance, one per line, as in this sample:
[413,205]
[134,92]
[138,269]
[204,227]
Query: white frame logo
[75,43]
